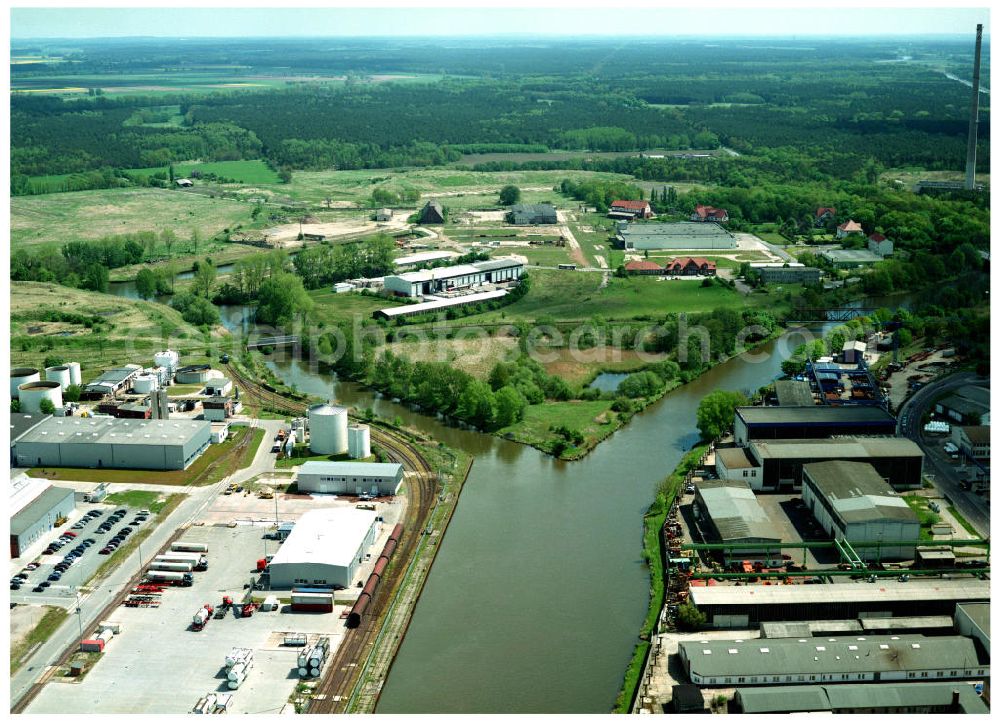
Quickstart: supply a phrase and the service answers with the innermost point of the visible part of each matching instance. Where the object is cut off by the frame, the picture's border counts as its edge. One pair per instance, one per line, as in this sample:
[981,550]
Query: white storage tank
[31,395]
[146,383]
[74,373]
[327,429]
[59,374]
[20,376]
[167,359]
[359,441]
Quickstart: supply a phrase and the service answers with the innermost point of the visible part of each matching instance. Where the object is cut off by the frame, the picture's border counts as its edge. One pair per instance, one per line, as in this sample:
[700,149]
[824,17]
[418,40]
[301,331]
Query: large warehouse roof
[735,512]
[119,431]
[813,414]
[459,270]
[793,393]
[820,655]
[881,447]
[30,514]
[857,493]
[326,536]
[21,423]
[678,235]
[440,304]
[349,468]
[887,592]
[822,698]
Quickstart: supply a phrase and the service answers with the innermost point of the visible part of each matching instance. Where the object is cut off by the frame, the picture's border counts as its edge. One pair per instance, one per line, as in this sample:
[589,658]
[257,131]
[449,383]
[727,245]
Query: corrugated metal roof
[440,304]
[857,492]
[735,511]
[813,414]
[117,431]
[816,698]
[825,448]
[886,593]
[21,423]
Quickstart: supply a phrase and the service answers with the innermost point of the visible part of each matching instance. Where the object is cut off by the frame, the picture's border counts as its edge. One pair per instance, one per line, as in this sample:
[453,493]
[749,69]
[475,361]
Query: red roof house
[824,213]
[687,266]
[709,214]
[849,227]
[643,266]
[632,208]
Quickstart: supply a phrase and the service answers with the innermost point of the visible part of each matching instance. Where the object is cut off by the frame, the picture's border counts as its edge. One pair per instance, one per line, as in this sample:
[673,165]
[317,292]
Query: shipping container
[326,607]
[92,645]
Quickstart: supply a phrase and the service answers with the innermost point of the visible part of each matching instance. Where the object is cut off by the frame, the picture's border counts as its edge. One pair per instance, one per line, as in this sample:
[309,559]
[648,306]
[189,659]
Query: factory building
[906,658]
[750,605]
[813,421]
[111,382]
[779,462]
[347,477]
[160,445]
[969,405]
[794,393]
[460,276]
[325,548]
[908,698]
[688,236]
[218,407]
[850,500]
[524,214]
[728,513]
[195,374]
[786,273]
[35,506]
[21,423]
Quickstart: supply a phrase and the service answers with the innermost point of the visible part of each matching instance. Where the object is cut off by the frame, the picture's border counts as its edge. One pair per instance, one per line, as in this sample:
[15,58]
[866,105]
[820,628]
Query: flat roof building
[674,235]
[728,512]
[112,381]
[325,548]
[811,421]
[455,277]
[114,443]
[423,257]
[901,698]
[351,478]
[849,258]
[794,393]
[422,308]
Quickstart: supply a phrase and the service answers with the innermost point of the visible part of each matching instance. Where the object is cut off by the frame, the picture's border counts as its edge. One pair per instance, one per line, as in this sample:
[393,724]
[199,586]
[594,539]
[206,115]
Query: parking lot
[75,552]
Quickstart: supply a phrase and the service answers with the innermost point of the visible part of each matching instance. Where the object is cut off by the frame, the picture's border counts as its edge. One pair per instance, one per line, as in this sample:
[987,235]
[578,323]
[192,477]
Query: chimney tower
[970,157]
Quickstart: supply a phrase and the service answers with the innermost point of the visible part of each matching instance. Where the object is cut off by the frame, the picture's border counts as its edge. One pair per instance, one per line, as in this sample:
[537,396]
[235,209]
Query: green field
[593,418]
[244,172]
[54,219]
[333,309]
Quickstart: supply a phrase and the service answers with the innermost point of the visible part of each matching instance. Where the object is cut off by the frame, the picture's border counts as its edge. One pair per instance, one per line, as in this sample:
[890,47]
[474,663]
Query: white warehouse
[325,548]
[348,477]
[459,276]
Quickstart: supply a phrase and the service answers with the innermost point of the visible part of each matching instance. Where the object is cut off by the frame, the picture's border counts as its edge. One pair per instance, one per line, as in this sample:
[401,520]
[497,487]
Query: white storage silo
[146,383]
[327,429]
[167,359]
[58,374]
[359,441]
[31,395]
[74,373]
[20,376]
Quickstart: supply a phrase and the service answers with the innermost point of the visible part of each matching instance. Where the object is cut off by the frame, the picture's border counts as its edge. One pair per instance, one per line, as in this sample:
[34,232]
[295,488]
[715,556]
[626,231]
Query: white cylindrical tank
[167,359]
[145,383]
[215,375]
[327,429]
[74,373]
[31,395]
[359,441]
[20,376]
[59,374]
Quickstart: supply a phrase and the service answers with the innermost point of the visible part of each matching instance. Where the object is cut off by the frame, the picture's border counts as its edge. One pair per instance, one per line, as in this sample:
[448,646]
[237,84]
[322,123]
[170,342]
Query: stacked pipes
[239,662]
[311,659]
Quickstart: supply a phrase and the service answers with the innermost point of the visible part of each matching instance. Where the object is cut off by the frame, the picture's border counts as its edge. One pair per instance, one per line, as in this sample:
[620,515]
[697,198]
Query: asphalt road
[972,507]
[90,604]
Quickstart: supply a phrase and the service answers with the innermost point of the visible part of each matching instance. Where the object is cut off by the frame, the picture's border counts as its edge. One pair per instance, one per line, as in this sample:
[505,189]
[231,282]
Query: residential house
[849,227]
[643,266]
[630,209]
[432,213]
[709,214]
[688,266]
[523,214]
[878,244]
[823,214]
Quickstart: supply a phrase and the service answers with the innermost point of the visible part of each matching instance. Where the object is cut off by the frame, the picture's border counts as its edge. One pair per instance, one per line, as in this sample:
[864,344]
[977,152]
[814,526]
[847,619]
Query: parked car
[93,512]
[14,586]
[32,566]
[55,576]
[39,588]
[44,585]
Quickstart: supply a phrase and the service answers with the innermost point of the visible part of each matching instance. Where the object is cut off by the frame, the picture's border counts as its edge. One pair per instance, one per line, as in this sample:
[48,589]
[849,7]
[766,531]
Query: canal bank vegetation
[652,552]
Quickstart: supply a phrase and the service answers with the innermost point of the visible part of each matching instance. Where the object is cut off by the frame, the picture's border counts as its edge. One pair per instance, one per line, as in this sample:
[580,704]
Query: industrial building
[674,235]
[351,478]
[522,214]
[218,407]
[845,384]
[413,260]
[21,423]
[35,507]
[969,405]
[972,619]
[196,374]
[733,464]
[973,441]
[219,386]
[728,513]
[898,460]
[958,698]
[850,500]
[794,393]
[831,659]
[112,382]
[850,258]
[460,276]
[786,272]
[325,548]
[813,421]
[436,305]
[740,607]
[113,443]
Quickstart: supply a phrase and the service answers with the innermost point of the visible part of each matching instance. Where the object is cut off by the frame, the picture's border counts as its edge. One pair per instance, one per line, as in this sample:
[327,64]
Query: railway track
[334,689]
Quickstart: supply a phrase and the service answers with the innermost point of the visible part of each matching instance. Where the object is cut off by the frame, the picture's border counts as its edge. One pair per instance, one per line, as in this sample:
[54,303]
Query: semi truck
[173,578]
[173,565]
[199,562]
[189,546]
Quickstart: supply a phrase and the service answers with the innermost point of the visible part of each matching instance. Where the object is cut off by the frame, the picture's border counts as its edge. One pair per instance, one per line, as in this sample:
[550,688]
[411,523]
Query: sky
[568,19]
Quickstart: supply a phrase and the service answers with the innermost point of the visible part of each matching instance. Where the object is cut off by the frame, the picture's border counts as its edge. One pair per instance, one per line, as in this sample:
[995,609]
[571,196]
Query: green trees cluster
[327,263]
[281,298]
[509,194]
[697,340]
[249,274]
[716,411]
[395,196]
[153,282]
[600,194]
[195,309]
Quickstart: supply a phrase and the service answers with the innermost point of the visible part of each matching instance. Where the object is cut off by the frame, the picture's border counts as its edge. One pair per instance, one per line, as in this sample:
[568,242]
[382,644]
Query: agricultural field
[53,219]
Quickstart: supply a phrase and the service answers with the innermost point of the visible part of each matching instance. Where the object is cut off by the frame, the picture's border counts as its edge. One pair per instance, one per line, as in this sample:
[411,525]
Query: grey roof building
[39,516]
[904,697]
[847,258]
[810,421]
[856,659]
[114,443]
[532,214]
[347,477]
[675,235]
[112,381]
[728,512]
[794,393]
[432,213]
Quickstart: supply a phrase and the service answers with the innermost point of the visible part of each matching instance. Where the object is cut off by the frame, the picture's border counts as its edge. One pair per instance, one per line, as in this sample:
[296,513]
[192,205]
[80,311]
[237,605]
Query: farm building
[878,244]
[643,266]
[161,445]
[786,272]
[849,227]
[35,506]
[958,698]
[898,460]
[350,478]
[813,421]
[111,382]
[728,513]
[673,235]
[753,604]
[709,214]
[325,548]
[690,266]
[522,214]
[456,277]
[849,258]
[627,209]
[432,213]
[851,500]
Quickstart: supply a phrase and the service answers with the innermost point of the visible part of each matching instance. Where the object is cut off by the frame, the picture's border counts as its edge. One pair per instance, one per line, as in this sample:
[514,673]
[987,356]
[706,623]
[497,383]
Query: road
[92,603]
[971,506]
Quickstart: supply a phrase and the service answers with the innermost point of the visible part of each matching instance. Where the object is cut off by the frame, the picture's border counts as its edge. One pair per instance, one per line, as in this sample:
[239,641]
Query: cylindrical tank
[303,672]
[59,374]
[167,359]
[145,383]
[74,373]
[31,395]
[193,374]
[359,441]
[327,429]
[20,376]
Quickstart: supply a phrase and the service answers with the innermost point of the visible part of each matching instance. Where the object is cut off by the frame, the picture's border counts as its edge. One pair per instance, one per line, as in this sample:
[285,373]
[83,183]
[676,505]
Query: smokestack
[970,157]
